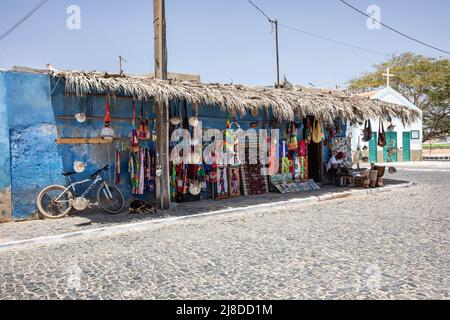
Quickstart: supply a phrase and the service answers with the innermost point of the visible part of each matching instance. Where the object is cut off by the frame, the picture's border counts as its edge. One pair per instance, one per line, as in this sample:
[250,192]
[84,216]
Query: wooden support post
[275,22]
[161,107]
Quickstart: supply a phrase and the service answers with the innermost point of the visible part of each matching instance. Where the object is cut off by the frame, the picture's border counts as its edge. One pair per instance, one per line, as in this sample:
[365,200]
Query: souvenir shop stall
[308,135]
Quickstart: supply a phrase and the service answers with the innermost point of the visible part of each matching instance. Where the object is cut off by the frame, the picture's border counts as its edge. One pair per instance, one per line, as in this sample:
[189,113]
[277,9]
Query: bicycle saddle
[68,174]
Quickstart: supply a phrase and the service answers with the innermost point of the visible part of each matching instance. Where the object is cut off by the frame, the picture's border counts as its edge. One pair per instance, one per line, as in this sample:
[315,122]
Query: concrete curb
[145,225]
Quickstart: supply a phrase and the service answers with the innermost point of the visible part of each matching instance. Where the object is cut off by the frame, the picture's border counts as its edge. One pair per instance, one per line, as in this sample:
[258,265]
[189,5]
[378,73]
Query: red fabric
[108,112]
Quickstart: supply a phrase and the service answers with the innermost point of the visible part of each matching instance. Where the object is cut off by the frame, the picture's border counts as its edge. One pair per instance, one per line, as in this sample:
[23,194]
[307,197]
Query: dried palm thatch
[236,99]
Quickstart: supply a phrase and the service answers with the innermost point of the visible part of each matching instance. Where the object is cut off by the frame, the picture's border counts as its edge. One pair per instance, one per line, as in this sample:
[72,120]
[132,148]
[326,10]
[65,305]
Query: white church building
[405,140]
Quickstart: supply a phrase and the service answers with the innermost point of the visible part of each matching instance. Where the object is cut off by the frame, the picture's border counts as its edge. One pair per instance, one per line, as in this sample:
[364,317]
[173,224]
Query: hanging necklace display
[107,131]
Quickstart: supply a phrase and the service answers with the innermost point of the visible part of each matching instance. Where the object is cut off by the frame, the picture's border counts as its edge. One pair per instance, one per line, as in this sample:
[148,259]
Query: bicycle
[58,201]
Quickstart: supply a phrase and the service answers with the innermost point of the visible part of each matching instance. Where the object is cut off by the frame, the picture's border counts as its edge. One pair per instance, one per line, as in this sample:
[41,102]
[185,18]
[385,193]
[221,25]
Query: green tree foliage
[424,81]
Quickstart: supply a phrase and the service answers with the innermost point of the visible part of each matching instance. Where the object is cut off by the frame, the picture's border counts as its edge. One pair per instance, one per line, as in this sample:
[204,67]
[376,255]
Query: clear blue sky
[223,40]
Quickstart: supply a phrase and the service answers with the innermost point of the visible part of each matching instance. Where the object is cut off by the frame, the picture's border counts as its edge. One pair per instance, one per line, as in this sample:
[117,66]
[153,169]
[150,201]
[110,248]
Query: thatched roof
[236,99]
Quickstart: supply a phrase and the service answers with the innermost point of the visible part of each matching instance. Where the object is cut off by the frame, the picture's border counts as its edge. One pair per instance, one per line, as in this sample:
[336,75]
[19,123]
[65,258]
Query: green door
[373,149]
[406,146]
[391,145]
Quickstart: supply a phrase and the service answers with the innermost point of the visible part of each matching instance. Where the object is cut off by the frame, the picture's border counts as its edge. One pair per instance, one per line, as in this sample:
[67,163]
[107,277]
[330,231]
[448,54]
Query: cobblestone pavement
[95,219]
[387,245]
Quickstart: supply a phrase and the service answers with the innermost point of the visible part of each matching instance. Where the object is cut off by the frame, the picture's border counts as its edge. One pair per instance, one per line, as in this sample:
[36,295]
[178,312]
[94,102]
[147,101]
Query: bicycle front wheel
[110,199]
[54,203]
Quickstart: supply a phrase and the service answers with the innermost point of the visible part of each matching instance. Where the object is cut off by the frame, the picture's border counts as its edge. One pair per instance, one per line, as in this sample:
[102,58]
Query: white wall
[390,95]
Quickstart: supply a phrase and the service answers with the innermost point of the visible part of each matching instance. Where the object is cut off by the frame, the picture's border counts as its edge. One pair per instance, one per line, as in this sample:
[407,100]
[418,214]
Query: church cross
[388,75]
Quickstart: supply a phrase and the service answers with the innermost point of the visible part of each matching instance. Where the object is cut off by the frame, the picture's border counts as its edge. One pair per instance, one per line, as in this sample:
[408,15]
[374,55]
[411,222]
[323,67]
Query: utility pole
[275,22]
[161,108]
[120,64]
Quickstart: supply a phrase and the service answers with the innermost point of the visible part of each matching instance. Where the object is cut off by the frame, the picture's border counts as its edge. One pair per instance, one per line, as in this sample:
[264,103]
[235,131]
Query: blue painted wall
[5,160]
[96,156]
[35,158]
[37,106]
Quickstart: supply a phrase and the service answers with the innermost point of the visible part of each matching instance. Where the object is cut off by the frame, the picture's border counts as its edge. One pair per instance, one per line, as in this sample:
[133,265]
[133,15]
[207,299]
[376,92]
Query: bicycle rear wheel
[112,202]
[54,203]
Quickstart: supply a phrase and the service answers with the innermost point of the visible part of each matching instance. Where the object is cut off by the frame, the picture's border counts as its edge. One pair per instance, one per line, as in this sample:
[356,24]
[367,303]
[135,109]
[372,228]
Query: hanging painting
[222,185]
[234,182]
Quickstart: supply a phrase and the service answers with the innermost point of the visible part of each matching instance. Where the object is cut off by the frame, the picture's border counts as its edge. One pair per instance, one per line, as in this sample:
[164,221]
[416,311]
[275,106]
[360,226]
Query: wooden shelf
[83,141]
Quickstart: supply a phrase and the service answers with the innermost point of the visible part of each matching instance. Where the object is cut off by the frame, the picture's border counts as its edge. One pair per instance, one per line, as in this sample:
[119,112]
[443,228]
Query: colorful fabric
[141,170]
[108,112]
[253,182]
[293,141]
[286,165]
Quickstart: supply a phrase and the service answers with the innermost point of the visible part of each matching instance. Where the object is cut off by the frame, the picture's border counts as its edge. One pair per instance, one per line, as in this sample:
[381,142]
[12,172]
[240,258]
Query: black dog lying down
[137,207]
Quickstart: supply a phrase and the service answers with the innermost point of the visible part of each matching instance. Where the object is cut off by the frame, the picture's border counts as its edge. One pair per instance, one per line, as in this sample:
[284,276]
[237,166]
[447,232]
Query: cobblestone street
[391,245]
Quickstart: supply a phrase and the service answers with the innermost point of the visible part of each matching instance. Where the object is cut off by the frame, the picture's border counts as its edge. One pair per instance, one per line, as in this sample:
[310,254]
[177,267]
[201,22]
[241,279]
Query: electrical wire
[314,34]
[260,10]
[394,30]
[332,40]
[23,19]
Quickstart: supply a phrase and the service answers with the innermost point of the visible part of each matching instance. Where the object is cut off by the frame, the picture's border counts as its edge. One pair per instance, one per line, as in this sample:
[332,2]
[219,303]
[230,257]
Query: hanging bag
[367,133]
[381,135]
[317,132]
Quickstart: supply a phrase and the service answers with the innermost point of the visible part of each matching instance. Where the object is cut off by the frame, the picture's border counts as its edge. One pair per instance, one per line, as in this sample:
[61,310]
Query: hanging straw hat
[175,121]
[193,121]
[81,117]
[79,166]
[195,189]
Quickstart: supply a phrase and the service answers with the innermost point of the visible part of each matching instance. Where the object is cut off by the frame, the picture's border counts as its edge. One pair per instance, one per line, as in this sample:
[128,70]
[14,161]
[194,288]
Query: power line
[260,10]
[314,34]
[332,40]
[23,19]
[394,30]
